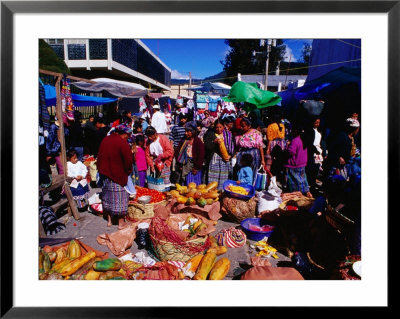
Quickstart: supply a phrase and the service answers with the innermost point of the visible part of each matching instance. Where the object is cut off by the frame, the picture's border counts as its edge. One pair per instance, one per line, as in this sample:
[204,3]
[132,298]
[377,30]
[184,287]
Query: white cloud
[175,74]
[289,55]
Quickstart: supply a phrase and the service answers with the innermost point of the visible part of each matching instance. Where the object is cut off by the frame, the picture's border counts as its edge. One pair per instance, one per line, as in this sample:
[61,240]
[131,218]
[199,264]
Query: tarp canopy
[250,93]
[77,99]
[330,54]
[216,87]
[114,87]
[329,82]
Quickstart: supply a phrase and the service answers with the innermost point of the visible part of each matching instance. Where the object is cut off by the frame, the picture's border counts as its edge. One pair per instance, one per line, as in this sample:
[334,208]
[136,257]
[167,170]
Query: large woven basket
[338,220]
[168,251]
[175,251]
[142,211]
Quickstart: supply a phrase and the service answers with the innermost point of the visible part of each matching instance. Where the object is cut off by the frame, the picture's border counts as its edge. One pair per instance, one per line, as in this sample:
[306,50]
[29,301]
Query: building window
[55,41]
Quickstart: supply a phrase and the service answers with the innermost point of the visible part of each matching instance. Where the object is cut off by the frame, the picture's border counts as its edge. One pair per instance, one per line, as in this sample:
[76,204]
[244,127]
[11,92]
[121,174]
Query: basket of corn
[240,191]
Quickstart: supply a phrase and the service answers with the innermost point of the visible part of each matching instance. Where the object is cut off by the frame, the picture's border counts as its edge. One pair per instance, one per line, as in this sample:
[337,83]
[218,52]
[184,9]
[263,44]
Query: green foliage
[241,60]
[306,53]
[48,59]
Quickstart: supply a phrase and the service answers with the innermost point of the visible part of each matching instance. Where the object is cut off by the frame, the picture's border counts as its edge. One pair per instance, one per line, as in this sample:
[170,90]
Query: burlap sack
[209,211]
[237,210]
[121,241]
[271,273]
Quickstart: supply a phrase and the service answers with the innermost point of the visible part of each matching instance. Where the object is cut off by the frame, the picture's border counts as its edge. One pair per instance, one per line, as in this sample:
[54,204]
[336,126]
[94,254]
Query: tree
[241,60]
[306,53]
[48,59]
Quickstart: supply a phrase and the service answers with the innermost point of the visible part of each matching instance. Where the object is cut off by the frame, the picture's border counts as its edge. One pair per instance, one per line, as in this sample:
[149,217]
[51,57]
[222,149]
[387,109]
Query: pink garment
[167,155]
[140,158]
[250,139]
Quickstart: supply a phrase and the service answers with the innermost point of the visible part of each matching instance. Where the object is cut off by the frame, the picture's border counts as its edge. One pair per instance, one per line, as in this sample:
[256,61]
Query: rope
[162,236]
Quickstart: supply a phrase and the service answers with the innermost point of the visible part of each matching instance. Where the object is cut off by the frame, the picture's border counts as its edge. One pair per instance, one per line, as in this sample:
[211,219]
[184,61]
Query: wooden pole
[61,135]
[57,75]
[63,155]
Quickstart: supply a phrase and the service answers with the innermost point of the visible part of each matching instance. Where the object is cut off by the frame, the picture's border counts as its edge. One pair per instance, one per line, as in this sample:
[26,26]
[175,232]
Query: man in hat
[342,147]
[158,120]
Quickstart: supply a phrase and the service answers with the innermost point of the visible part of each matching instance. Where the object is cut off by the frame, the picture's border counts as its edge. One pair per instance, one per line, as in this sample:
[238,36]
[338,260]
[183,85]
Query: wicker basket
[168,251]
[338,220]
[142,211]
[168,246]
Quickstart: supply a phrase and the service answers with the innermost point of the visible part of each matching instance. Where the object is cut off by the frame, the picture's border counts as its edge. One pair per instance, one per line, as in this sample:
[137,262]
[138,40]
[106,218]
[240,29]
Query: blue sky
[202,57]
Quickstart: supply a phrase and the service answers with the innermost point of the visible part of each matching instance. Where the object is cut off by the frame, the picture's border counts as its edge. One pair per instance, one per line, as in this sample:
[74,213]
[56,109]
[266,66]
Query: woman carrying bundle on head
[189,155]
[219,147]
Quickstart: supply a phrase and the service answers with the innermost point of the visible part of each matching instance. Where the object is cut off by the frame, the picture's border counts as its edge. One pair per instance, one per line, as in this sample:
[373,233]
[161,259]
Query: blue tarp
[330,54]
[78,100]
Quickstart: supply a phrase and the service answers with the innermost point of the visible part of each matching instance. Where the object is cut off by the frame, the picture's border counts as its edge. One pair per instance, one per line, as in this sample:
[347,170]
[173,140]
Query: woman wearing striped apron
[189,156]
[250,142]
[114,162]
[219,147]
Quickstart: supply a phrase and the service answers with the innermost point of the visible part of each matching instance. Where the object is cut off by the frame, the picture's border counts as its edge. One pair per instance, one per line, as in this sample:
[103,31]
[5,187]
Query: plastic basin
[255,234]
[247,187]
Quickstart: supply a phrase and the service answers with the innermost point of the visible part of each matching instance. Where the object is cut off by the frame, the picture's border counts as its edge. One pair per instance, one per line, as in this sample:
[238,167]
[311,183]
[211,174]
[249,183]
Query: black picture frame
[9,8]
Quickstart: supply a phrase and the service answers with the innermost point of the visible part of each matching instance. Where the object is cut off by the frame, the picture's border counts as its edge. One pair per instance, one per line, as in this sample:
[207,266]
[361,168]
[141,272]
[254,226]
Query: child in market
[79,185]
[140,158]
[245,175]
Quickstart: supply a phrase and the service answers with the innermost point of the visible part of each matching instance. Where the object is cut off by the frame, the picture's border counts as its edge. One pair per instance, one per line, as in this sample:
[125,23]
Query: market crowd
[183,146]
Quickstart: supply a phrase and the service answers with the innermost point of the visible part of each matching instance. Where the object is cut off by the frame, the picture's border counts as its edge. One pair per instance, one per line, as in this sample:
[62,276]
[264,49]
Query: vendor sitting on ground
[79,185]
[114,163]
[159,149]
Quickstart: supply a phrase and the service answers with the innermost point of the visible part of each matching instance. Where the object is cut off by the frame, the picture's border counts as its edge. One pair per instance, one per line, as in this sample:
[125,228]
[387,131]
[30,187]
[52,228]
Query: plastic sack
[261,179]
[302,264]
[93,171]
[271,199]
[156,183]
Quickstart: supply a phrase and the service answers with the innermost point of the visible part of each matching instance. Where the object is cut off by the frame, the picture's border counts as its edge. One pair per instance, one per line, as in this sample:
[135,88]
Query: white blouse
[75,170]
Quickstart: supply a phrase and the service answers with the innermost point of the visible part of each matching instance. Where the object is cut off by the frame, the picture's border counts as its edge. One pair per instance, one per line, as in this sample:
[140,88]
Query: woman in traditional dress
[250,142]
[296,178]
[189,155]
[114,163]
[219,146]
[159,149]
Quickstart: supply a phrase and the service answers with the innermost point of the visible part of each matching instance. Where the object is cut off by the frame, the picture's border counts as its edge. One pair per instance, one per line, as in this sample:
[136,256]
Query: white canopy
[114,87]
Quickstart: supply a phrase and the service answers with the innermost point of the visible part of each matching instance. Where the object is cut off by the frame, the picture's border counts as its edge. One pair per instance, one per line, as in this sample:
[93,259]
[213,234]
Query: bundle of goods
[192,194]
[237,210]
[296,199]
[139,209]
[231,237]
[171,243]
[240,191]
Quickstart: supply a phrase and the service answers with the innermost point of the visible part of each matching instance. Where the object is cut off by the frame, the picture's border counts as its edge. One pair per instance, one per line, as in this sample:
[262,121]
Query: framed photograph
[23,23]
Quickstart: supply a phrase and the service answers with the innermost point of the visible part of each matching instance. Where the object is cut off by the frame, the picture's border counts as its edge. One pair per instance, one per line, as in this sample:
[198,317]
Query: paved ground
[89,226]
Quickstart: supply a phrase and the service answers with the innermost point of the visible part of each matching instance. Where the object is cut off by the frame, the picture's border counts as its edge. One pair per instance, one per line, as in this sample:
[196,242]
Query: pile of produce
[156,196]
[238,190]
[73,264]
[201,195]
[265,250]
[203,267]
[193,225]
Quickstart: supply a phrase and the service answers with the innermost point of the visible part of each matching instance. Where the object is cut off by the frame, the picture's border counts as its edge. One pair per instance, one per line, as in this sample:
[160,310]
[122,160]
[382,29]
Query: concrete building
[120,59]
